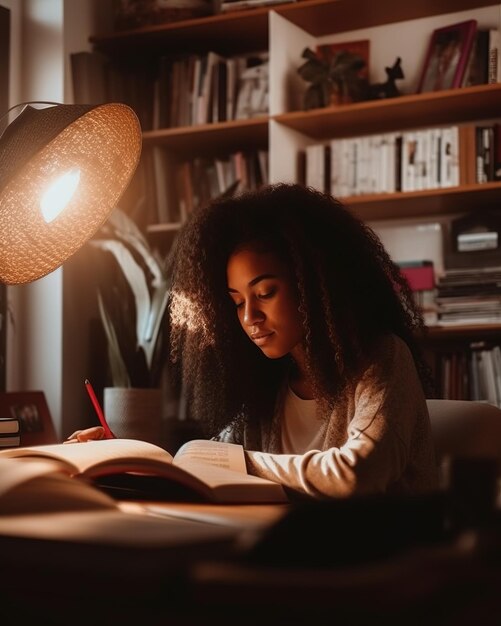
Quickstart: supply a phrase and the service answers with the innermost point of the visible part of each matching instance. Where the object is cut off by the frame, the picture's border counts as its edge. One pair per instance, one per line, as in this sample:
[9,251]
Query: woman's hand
[88,434]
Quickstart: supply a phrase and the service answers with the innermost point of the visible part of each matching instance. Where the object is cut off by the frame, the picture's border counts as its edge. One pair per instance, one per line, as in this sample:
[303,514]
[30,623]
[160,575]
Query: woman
[292,332]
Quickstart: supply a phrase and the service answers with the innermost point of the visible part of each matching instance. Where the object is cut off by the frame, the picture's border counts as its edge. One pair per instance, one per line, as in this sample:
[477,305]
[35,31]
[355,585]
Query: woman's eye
[239,305]
[268,294]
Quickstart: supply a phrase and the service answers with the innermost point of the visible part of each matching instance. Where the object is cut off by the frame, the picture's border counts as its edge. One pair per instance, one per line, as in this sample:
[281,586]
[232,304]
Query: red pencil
[107,432]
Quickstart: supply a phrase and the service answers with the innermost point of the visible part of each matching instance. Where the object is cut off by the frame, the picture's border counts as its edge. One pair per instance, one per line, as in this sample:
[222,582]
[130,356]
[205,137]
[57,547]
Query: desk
[87,567]
[53,582]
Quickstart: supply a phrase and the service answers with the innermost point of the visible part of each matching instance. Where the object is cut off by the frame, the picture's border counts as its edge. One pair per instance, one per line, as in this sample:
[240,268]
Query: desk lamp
[63,169]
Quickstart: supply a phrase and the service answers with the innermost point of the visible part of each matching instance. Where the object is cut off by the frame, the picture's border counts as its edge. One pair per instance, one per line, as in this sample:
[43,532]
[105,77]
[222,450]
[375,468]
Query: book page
[79,457]
[39,486]
[217,453]
[228,486]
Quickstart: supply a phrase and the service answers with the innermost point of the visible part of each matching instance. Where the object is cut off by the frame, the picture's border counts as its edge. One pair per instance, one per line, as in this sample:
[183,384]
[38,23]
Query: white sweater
[377,439]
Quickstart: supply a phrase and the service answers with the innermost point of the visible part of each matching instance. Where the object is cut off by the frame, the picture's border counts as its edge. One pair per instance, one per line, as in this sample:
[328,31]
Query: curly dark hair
[350,294]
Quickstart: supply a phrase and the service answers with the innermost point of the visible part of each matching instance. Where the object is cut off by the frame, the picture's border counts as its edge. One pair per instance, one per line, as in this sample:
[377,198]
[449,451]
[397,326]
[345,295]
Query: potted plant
[132,296]
[334,80]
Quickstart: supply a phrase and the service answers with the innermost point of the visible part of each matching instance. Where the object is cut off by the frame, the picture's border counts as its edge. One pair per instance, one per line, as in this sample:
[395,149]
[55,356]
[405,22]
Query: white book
[433,158]
[345,167]
[383,164]
[374,143]
[352,167]
[358,165]
[409,146]
[335,146]
[364,165]
[390,185]
[315,166]
[446,158]
[454,156]
[419,167]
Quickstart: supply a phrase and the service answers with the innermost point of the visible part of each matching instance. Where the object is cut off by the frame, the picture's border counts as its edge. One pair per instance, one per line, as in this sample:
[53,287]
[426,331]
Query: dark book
[485,153]
[90,77]
[467,154]
[497,151]
[477,72]
[398,163]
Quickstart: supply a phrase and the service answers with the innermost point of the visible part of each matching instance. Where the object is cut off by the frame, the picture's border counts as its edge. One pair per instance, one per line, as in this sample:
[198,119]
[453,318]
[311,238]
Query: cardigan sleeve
[384,407]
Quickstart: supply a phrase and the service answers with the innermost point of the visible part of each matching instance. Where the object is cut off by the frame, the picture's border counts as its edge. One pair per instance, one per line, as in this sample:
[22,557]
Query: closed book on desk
[9,432]
[201,470]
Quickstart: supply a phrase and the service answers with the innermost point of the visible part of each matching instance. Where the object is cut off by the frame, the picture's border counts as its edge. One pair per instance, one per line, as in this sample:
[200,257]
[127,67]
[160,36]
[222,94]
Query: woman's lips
[261,338]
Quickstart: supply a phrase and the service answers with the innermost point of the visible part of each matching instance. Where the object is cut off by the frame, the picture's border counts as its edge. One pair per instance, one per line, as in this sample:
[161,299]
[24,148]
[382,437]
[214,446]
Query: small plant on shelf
[336,80]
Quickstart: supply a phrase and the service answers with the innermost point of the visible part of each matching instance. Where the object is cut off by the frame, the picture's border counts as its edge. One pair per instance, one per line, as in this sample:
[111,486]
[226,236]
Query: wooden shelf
[248,29]
[411,111]
[448,200]
[212,139]
[230,33]
[324,17]
[467,332]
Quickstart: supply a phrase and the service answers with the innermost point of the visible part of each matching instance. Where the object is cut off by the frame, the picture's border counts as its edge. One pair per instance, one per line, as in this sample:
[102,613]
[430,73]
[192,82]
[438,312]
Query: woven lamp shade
[102,143]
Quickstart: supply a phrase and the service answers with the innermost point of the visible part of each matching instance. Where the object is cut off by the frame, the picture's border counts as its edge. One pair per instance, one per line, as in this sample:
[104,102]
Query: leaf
[118,369]
[157,313]
[135,278]
[122,227]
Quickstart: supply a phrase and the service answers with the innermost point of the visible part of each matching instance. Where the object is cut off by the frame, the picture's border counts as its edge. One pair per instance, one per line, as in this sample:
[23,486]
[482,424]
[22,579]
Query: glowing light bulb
[58,195]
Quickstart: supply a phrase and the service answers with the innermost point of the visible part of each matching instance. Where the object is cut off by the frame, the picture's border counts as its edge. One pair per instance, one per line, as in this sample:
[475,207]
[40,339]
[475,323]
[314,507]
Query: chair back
[465,428]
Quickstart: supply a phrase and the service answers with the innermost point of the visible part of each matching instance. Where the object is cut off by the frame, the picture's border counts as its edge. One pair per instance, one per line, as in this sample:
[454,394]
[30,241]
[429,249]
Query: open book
[128,468]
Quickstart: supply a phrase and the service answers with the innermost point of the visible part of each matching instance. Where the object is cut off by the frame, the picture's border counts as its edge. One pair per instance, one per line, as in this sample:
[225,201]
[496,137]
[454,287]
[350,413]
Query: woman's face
[265,295]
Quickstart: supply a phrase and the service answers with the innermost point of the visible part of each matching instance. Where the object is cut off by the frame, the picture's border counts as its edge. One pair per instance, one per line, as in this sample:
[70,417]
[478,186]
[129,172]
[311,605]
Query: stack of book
[9,432]
[469,296]
[420,275]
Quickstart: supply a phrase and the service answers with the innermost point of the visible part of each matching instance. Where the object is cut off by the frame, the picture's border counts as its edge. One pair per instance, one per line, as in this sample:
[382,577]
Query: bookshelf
[395,29]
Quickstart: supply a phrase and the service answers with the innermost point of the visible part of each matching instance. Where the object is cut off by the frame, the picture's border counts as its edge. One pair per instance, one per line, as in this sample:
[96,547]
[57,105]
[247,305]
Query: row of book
[165,190]
[201,180]
[474,374]
[406,161]
[201,89]
[177,90]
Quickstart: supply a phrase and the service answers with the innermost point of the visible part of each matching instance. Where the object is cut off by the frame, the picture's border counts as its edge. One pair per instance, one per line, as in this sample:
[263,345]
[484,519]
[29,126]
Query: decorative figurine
[387,89]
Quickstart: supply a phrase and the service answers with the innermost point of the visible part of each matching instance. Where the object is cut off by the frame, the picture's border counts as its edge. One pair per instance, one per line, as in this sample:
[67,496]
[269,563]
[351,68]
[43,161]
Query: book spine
[494,68]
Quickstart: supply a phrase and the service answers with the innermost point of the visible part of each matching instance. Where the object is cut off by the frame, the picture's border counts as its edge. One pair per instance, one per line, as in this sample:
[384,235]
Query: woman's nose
[252,314]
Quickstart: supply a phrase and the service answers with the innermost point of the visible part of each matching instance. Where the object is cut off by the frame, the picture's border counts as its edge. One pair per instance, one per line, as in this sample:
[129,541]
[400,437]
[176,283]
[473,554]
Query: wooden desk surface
[237,516]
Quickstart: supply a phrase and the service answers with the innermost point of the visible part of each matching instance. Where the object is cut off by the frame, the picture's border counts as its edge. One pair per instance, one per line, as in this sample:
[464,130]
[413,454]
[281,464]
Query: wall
[81,19]
[43,343]
[35,338]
